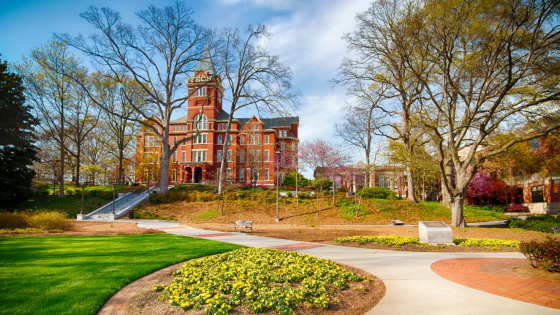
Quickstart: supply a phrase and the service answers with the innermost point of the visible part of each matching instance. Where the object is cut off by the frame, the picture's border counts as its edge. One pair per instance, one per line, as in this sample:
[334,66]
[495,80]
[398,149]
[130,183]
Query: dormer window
[201,91]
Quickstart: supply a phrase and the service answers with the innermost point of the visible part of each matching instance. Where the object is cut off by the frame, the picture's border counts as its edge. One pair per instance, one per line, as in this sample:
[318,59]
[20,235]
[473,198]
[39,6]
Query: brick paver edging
[117,303]
[496,276]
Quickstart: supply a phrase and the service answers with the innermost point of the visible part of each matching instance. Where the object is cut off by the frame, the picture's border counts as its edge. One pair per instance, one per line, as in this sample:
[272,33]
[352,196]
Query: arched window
[202,121]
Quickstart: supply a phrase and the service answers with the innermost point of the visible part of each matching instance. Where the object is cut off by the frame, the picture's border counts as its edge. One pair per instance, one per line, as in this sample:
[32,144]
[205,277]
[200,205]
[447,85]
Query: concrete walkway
[412,286]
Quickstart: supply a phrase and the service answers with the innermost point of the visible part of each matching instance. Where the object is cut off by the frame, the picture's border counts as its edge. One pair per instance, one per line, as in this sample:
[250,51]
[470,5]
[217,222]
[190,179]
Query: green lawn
[78,274]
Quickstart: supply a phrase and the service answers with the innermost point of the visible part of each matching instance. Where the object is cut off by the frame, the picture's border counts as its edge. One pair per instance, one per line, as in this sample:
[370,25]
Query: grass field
[78,274]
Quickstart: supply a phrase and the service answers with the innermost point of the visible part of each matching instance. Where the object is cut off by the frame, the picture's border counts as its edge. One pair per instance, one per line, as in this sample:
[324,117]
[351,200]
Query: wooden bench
[241,224]
[556,229]
[397,222]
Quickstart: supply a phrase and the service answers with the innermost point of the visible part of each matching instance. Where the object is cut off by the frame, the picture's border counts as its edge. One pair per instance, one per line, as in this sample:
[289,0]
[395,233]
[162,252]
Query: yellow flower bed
[259,279]
[397,241]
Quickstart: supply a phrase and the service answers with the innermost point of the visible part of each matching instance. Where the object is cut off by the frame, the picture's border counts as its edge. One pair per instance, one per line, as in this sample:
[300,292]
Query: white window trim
[205,155]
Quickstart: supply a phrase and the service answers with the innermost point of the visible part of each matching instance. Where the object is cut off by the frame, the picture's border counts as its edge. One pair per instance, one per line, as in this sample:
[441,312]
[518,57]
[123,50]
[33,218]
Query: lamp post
[83,187]
[277,218]
[114,190]
[122,180]
[149,171]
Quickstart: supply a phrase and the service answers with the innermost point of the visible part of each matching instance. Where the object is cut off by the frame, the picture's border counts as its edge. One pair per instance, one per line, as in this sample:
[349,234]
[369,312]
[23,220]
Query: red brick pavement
[496,276]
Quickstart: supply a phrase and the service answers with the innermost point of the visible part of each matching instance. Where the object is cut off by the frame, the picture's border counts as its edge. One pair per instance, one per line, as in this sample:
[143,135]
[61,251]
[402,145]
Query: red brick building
[541,188]
[536,179]
[254,141]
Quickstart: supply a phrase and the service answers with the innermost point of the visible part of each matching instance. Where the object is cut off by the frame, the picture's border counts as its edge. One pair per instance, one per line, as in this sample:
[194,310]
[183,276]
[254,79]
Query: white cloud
[318,115]
[310,39]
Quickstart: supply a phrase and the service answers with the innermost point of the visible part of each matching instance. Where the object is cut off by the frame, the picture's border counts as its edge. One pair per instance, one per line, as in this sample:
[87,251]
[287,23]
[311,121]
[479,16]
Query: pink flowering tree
[324,158]
[485,189]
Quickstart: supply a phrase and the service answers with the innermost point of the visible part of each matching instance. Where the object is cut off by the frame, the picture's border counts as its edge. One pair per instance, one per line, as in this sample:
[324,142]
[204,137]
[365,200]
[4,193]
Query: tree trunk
[424,187]
[164,166]
[61,191]
[120,170]
[457,218]
[367,169]
[78,165]
[410,184]
[445,197]
[221,176]
[333,190]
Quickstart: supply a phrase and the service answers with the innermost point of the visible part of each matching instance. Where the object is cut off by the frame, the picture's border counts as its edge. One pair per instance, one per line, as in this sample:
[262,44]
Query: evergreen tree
[17,150]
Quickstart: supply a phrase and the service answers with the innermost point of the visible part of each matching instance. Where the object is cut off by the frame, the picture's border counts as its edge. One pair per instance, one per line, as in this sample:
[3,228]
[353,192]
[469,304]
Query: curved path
[412,286]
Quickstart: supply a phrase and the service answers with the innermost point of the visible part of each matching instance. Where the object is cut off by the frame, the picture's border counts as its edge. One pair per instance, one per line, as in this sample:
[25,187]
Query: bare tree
[253,77]
[123,126]
[361,123]
[493,63]
[159,55]
[383,45]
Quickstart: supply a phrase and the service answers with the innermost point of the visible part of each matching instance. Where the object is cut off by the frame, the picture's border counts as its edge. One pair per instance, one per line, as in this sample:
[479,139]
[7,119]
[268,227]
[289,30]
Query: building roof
[205,63]
[268,122]
[280,122]
[223,116]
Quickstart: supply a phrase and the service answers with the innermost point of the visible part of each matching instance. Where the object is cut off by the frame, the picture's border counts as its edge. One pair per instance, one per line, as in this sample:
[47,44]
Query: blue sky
[306,35]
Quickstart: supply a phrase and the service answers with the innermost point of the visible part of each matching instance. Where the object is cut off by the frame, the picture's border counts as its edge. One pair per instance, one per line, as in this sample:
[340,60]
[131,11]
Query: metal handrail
[108,208]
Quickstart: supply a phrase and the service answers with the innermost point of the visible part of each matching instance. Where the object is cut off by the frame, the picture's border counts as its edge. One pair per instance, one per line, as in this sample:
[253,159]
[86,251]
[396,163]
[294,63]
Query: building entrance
[198,175]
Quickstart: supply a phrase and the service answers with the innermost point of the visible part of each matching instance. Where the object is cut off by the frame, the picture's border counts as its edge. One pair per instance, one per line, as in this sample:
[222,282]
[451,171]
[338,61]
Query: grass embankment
[78,274]
[200,205]
[71,203]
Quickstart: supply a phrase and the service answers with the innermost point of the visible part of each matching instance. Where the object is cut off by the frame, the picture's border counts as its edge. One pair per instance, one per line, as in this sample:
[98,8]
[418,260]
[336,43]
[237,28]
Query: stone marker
[435,232]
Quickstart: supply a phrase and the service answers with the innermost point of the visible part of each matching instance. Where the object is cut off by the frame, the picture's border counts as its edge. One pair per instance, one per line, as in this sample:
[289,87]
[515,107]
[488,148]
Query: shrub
[9,220]
[546,253]
[542,223]
[397,241]
[377,193]
[38,184]
[389,240]
[230,195]
[49,221]
[42,220]
[242,194]
[159,198]
[485,242]
[517,208]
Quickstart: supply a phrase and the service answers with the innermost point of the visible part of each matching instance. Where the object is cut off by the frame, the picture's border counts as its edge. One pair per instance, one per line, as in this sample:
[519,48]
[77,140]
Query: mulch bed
[358,299]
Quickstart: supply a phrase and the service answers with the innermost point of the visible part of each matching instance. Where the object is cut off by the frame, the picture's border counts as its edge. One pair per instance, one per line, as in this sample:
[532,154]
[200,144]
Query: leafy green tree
[290,179]
[17,151]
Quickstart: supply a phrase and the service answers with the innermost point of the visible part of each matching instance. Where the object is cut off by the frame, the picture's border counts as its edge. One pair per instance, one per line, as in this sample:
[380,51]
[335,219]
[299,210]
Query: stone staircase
[122,205]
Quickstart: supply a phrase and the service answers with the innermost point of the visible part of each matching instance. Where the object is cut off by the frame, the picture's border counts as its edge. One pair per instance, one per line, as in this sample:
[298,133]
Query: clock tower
[205,89]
